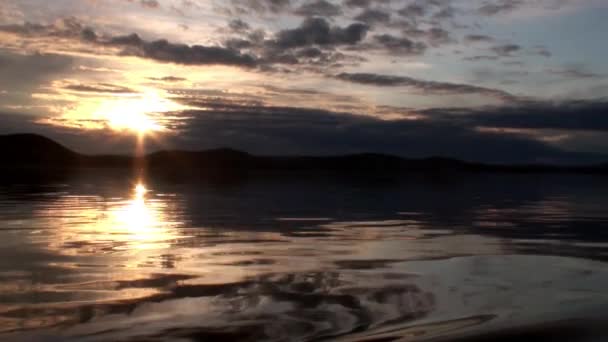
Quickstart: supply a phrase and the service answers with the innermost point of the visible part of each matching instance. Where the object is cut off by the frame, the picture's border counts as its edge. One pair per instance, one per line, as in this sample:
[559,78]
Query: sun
[142,113]
[134,114]
[139,114]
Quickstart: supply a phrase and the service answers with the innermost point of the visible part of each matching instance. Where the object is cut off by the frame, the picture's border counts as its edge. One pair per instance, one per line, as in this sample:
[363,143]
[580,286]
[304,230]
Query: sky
[502,81]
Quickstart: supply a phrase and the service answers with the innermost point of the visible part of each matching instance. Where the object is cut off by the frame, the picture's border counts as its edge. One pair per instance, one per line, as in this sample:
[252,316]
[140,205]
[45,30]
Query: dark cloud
[480,58]
[288,130]
[364,3]
[65,28]
[433,9]
[146,3]
[374,16]
[321,8]
[413,11]
[568,115]
[238,25]
[400,45]
[506,50]
[513,63]
[102,88]
[449,132]
[445,12]
[317,31]
[358,3]
[542,51]
[575,72]
[311,59]
[169,79]
[483,75]
[133,45]
[243,7]
[150,3]
[164,51]
[426,87]
[478,38]
[24,73]
[285,130]
[437,36]
[490,8]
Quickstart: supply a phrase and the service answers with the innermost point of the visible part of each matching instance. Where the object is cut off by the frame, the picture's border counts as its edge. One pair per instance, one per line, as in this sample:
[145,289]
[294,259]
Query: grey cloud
[513,63]
[288,130]
[364,3]
[506,50]
[67,27]
[164,51]
[434,36]
[146,3]
[98,88]
[358,3]
[445,12]
[436,9]
[311,58]
[542,51]
[238,25]
[490,8]
[259,6]
[400,45]
[478,38]
[413,11]
[374,16]
[317,31]
[169,79]
[252,50]
[480,58]
[449,132]
[88,34]
[437,36]
[483,75]
[575,72]
[23,73]
[320,8]
[426,87]
[150,3]
[238,43]
[568,115]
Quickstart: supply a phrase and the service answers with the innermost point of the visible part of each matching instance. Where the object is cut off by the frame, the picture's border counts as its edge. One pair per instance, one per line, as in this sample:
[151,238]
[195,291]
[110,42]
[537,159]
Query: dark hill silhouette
[32,149]
[35,151]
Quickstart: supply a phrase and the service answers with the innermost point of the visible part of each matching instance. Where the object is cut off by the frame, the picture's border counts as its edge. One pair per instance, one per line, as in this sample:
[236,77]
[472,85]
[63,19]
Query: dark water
[426,259]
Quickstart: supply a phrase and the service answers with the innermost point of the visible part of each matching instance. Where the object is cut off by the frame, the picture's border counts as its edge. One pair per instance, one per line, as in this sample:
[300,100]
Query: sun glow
[137,113]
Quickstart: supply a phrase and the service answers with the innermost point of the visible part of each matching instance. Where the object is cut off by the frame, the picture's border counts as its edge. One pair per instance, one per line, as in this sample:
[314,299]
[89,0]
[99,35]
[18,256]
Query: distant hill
[32,149]
[35,151]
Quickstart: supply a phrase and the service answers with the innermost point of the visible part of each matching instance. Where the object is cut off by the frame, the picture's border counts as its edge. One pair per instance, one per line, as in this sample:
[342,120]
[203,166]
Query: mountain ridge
[32,150]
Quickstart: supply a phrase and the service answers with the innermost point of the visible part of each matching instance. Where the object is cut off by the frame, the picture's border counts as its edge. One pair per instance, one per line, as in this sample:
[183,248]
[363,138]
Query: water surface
[96,258]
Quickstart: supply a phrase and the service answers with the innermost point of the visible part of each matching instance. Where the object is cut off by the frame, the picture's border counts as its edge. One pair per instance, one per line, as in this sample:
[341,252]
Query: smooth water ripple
[107,260]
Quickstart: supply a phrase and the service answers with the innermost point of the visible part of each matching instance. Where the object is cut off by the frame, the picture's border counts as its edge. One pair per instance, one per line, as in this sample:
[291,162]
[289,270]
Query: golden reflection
[96,226]
[140,191]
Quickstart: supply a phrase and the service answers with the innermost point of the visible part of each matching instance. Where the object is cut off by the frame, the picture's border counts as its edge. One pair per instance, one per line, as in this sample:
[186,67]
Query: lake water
[96,258]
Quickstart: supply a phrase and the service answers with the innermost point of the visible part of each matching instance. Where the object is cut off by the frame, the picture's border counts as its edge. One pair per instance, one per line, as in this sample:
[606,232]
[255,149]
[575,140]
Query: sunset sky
[483,80]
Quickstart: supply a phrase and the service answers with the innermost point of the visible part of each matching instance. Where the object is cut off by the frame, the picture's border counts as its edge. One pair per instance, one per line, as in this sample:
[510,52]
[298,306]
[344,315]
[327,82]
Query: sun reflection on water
[97,226]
